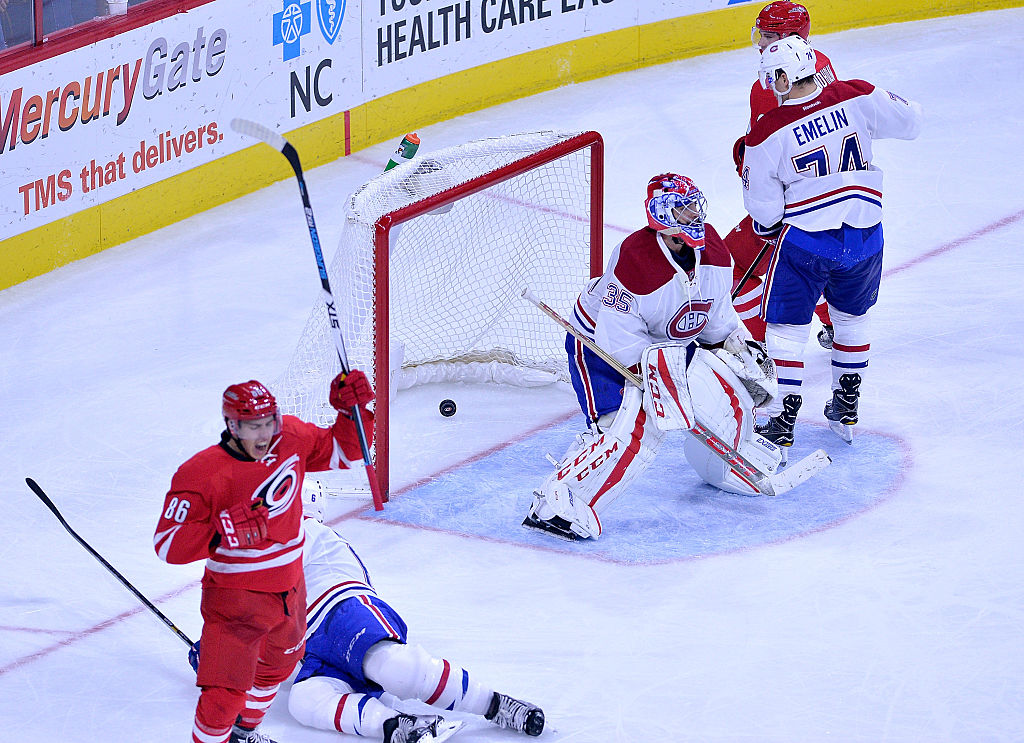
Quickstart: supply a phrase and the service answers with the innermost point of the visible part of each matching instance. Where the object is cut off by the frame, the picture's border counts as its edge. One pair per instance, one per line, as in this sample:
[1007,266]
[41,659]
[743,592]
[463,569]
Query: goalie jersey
[645,296]
[808,162]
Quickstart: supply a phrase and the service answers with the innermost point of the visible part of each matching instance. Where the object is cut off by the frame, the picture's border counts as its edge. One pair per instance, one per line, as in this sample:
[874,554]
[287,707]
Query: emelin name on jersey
[819,126]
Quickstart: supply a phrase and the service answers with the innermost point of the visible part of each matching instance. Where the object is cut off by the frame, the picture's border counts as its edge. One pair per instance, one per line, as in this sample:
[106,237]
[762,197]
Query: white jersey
[646,297]
[333,572]
[808,162]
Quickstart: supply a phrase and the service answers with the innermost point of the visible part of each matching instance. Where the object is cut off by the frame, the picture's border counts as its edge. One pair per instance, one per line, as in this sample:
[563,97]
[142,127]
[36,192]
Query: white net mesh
[456,274]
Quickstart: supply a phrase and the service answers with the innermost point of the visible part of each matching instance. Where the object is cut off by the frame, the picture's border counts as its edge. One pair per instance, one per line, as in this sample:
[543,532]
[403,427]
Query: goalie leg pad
[666,394]
[597,470]
[725,407]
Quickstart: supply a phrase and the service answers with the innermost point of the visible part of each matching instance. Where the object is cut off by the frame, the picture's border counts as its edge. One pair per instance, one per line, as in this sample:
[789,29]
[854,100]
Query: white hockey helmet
[793,56]
[313,496]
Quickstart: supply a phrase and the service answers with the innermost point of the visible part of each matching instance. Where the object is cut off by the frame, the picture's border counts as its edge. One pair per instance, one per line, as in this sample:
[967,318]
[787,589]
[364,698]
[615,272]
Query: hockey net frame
[311,405]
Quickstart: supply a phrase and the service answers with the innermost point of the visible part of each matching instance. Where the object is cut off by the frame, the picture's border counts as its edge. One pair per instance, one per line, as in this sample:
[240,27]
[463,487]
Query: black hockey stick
[750,270]
[279,143]
[124,581]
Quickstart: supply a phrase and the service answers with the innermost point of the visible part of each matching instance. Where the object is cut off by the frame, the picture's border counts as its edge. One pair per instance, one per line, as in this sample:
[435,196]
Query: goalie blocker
[684,388]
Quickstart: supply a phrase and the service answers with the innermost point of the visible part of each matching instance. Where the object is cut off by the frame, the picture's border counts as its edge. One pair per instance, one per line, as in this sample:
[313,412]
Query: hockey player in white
[356,649]
[666,284]
[808,169]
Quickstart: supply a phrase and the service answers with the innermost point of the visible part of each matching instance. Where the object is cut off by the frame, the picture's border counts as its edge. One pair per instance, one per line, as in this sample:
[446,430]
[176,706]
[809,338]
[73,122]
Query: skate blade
[530,522]
[843,431]
[445,730]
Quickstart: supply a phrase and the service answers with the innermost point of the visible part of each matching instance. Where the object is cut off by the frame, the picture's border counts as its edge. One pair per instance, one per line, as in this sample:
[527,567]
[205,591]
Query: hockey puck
[447,408]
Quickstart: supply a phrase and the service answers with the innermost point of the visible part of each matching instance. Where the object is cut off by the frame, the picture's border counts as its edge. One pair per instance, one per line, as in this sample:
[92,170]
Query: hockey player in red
[747,240]
[238,505]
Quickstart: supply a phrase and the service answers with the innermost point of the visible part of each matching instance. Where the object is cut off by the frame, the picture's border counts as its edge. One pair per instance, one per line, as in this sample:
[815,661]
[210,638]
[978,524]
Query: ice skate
[826,337]
[556,526]
[506,712]
[779,428]
[554,510]
[419,729]
[244,735]
[841,410]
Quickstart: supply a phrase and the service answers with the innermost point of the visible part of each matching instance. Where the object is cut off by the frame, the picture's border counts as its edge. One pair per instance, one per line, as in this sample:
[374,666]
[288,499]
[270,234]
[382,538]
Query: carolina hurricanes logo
[281,488]
[689,321]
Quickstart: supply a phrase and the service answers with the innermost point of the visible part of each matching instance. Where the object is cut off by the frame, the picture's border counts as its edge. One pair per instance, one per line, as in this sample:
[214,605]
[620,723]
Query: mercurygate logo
[28,117]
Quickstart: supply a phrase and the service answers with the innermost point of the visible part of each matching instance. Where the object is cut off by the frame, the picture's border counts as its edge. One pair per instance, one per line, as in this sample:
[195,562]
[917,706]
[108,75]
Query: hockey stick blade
[260,132]
[800,471]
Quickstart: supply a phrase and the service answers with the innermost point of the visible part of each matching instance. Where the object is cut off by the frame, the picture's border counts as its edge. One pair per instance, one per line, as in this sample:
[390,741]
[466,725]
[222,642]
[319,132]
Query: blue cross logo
[290,25]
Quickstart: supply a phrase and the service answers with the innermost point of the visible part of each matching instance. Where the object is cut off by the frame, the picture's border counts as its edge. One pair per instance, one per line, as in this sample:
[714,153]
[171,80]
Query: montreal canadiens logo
[688,321]
[281,488]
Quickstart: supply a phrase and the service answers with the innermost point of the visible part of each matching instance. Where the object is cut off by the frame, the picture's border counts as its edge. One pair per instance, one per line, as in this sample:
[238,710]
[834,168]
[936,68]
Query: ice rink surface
[882,601]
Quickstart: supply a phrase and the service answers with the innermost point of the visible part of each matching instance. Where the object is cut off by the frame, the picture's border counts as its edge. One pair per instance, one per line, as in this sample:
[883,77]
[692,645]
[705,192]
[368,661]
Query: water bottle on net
[405,152]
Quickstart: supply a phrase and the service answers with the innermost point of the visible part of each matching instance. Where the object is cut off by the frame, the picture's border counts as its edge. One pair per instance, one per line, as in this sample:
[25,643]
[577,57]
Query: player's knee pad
[314,701]
[786,341]
[407,671]
[601,466]
[785,344]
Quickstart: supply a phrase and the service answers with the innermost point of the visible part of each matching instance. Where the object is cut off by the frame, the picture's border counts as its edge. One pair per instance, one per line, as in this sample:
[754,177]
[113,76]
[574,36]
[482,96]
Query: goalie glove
[749,360]
[193,656]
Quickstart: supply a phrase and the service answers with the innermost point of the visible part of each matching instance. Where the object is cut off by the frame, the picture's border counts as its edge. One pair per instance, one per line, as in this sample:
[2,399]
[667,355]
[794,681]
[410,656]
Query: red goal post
[432,261]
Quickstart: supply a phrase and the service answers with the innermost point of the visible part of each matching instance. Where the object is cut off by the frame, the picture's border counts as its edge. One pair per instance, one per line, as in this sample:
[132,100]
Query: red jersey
[217,478]
[762,101]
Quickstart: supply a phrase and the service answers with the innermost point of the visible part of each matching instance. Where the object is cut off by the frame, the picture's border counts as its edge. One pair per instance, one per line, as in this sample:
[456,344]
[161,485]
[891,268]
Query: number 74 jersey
[808,162]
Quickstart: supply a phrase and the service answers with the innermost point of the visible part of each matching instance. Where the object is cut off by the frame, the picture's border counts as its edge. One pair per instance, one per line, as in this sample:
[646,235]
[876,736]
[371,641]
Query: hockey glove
[349,390]
[244,524]
[193,656]
[767,233]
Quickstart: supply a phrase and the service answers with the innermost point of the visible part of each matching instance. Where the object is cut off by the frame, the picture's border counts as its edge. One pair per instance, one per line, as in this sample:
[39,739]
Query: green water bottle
[406,150]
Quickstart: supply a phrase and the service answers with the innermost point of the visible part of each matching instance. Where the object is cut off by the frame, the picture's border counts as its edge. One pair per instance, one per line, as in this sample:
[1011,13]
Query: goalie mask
[781,19]
[793,56]
[248,401]
[675,206]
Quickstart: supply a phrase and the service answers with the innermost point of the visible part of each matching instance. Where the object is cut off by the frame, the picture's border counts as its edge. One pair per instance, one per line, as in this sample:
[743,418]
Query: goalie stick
[34,487]
[279,143]
[762,482]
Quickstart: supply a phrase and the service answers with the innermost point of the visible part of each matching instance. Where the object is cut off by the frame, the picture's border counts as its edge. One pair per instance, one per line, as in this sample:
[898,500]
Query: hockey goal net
[431,265]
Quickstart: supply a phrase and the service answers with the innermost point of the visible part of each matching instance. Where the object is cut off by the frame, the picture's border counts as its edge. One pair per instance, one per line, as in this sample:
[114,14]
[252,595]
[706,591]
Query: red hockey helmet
[783,19]
[669,192]
[248,401]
